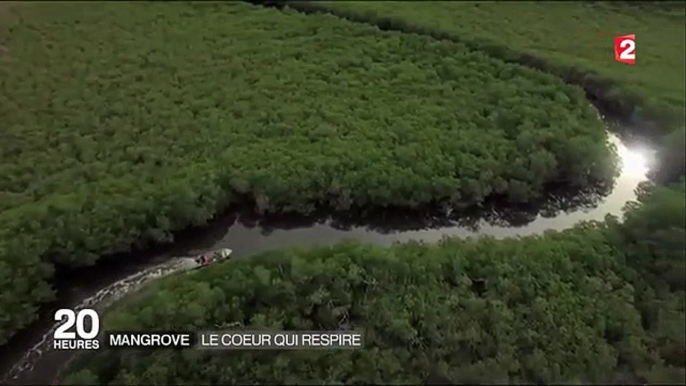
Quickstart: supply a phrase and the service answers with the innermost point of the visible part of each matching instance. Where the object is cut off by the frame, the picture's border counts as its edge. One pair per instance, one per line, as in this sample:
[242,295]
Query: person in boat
[202,259]
[210,257]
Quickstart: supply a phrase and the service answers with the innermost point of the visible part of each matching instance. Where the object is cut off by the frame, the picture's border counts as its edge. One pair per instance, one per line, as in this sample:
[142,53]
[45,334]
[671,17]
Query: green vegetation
[122,123]
[574,39]
[672,158]
[591,305]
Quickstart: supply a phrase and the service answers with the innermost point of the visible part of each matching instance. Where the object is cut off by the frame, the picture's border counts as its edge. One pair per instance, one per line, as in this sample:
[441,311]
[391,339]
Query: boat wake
[99,301]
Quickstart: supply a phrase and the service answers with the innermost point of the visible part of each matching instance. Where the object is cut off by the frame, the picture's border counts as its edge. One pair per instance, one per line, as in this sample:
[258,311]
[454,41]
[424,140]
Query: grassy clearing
[125,122]
[575,38]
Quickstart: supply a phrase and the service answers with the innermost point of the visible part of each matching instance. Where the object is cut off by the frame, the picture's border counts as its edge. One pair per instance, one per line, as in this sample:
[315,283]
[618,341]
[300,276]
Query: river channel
[28,359]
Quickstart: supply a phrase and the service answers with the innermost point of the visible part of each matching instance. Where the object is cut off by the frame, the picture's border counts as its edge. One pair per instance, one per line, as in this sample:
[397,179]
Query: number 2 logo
[625,49]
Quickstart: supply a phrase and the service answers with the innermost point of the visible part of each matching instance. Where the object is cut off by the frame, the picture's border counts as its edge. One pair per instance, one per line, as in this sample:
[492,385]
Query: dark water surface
[27,359]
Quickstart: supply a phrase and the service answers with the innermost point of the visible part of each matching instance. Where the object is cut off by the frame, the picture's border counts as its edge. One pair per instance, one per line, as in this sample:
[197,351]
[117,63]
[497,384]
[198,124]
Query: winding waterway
[27,359]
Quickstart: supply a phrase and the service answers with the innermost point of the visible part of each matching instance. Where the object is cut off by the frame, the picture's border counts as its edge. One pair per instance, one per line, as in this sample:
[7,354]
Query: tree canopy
[122,123]
[572,40]
[594,304]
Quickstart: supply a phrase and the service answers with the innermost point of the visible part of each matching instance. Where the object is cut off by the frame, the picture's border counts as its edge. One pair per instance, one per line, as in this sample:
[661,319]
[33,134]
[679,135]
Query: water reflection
[635,161]
[251,233]
[247,233]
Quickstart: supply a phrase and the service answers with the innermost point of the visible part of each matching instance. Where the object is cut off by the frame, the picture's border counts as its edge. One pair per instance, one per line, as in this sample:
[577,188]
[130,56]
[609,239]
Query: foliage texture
[122,123]
[573,40]
[600,303]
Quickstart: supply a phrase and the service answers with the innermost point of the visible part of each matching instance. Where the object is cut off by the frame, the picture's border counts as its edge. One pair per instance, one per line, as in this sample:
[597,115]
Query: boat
[212,257]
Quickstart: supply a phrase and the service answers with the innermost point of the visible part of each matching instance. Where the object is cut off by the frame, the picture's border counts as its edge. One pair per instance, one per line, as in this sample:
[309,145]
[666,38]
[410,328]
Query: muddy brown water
[28,358]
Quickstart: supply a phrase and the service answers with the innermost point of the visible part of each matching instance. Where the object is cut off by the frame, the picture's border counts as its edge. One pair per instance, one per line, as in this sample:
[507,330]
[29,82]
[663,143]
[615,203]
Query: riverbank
[129,156]
[573,41]
[166,235]
[599,303]
[250,233]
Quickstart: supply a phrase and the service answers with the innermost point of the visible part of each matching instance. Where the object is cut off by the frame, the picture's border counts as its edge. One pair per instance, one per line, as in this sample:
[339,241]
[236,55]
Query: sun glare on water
[634,161]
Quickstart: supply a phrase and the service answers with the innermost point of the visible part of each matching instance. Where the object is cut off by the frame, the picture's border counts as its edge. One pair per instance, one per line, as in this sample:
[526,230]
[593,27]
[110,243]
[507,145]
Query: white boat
[211,257]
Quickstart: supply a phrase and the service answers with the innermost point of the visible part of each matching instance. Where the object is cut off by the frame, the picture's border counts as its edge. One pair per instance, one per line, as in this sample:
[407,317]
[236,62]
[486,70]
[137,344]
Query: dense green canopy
[599,303]
[572,39]
[122,123]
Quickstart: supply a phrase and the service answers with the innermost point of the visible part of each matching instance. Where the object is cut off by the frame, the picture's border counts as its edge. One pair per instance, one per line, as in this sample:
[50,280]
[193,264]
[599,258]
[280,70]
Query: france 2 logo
[625,49]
